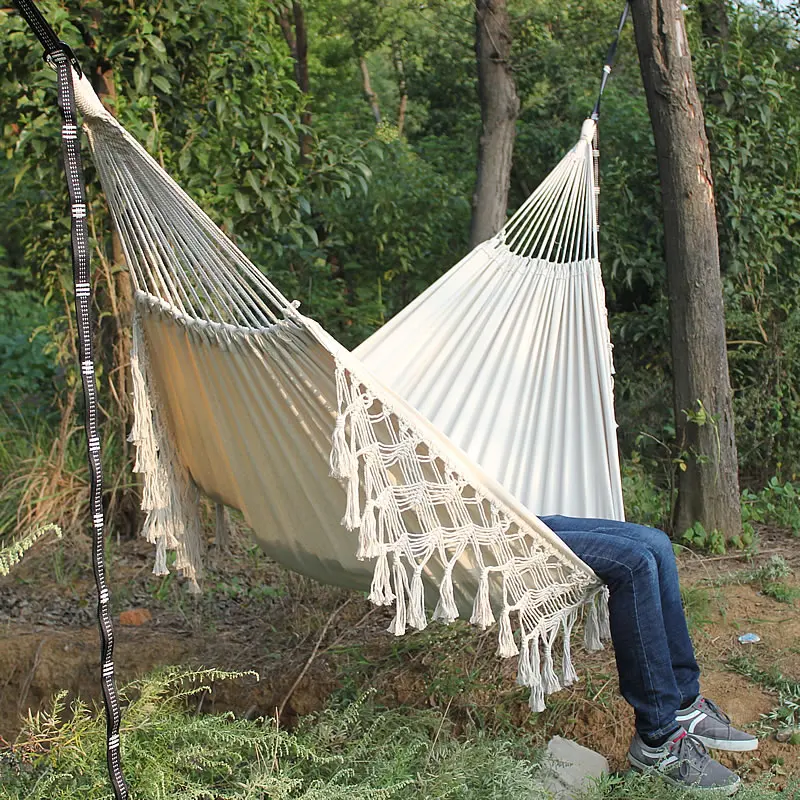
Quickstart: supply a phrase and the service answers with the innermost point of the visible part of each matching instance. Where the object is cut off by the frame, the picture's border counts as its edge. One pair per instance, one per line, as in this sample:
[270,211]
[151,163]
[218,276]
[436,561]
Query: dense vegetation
[355,217]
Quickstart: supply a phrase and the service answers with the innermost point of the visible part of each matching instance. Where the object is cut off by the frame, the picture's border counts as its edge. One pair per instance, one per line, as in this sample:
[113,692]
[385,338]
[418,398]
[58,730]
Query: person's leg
[641,647]
[684,664]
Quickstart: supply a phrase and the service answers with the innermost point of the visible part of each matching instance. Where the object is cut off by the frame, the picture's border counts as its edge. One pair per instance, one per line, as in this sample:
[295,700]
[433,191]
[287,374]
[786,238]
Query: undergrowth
[348,752]
[771,580]
[352,751]
[786,714]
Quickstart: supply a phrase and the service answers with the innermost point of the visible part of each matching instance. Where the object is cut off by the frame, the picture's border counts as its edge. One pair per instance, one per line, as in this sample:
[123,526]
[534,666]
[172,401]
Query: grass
[771,577]
[786,714]
[44,476]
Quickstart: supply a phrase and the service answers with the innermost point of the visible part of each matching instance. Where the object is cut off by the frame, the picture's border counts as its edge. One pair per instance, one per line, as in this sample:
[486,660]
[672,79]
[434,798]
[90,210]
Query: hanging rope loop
[46,35]
[609,62]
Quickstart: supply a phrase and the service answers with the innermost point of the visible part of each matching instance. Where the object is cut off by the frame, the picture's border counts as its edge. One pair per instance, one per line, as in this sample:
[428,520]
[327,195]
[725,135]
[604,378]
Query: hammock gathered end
[408,468]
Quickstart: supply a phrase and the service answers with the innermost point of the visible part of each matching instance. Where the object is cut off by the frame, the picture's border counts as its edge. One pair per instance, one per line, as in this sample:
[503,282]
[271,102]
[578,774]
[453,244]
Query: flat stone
[571,768]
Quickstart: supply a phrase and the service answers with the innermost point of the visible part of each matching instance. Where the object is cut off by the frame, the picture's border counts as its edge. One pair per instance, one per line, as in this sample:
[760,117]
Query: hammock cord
[609,62]
[61,57]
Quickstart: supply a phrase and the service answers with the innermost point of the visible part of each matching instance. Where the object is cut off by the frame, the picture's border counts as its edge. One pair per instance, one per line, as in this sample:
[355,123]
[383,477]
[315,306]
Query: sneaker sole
[724,791]
[731,745]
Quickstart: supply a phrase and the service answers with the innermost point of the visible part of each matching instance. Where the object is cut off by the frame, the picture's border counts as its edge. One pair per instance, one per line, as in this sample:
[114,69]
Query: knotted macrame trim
[169,495]
[392,476]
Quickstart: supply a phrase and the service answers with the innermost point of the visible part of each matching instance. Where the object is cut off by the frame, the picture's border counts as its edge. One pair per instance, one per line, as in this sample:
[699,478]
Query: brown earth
[307,642]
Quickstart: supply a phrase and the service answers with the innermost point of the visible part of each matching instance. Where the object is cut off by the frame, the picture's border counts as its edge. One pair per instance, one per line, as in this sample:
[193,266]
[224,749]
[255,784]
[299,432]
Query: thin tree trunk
[369,92]
[714,19]
[499,110]
[708,489]
[296,35]
[402,88]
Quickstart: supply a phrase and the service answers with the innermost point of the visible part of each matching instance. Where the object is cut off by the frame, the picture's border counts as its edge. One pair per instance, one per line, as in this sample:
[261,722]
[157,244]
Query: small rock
[784,734]
[135,616]
[571,767]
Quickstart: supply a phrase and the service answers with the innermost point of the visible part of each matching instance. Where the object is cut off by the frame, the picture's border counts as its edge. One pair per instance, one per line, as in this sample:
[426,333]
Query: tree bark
[499,110]
[369,92]
[708,488]
[714,19]
[402,87]
[295,33]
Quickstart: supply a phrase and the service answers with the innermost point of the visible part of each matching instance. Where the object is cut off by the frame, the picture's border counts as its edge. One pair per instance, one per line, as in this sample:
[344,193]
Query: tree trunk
[369,92]
[402,88]
[708,488]
[296,35]
[499,109]
[714,19]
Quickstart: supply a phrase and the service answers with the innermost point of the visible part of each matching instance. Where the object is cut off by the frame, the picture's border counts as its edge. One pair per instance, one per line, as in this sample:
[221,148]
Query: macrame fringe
[169,496]
[376,505]
[446,610]
[597,626]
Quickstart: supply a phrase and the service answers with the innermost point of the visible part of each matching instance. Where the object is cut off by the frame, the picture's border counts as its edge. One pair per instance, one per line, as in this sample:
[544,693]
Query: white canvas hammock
[410,468]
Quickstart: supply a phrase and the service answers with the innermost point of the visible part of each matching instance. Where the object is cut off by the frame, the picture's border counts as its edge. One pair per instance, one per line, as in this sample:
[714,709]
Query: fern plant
[353,752]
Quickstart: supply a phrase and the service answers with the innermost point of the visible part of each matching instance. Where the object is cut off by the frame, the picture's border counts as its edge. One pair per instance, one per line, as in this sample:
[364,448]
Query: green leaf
[160,82]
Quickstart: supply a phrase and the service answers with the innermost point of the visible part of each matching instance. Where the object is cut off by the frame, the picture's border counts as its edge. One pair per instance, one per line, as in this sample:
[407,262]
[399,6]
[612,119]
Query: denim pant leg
[684,663]
[630,559]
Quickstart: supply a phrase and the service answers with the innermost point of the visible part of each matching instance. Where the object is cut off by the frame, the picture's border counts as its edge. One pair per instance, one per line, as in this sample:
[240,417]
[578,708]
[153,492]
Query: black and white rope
[62,58]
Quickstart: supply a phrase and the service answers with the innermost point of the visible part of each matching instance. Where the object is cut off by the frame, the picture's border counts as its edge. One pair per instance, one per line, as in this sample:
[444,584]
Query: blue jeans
[655,659]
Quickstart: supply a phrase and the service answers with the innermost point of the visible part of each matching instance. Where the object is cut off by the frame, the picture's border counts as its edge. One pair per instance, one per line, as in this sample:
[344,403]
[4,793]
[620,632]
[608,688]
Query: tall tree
[499,110]
[714,19]
[708,486]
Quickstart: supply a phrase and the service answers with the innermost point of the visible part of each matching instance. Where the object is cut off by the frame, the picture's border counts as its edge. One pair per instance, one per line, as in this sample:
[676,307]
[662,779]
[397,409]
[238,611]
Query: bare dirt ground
[307,642]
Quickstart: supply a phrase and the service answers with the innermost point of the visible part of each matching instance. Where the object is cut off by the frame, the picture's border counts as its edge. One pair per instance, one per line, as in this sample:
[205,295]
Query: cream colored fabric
[340,477]
[509,352]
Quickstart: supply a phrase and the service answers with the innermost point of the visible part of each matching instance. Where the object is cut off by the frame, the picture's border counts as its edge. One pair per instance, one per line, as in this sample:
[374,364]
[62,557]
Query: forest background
[349,182]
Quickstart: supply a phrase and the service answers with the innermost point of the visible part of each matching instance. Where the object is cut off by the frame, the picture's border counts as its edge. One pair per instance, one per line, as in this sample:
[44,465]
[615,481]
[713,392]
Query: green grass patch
[771,577]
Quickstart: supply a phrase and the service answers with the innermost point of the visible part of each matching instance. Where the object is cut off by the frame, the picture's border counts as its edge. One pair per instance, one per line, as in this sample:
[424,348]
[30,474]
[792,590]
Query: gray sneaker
[683,761]
[706,722]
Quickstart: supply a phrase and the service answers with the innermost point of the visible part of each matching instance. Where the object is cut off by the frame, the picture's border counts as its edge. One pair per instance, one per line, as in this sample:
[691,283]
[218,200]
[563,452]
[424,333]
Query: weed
[787,712]
[771,580]
[777,503]
[11,554]
[645,501]
[349,752]
[696,606]
[631,786]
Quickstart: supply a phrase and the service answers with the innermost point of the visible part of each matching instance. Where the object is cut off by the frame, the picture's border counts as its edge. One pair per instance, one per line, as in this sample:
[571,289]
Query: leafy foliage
[353,752]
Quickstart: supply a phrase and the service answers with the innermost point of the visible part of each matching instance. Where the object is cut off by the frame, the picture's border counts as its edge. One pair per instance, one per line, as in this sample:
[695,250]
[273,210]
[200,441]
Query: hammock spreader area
[411,468]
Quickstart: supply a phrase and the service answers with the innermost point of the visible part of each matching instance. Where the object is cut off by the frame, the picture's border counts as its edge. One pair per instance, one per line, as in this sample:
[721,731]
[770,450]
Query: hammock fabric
[406,469]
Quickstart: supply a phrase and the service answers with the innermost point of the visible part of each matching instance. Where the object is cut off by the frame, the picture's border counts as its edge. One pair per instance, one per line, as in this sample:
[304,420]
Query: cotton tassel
[398,624]
[568,674]
[524,671]
[549,678]
[368,533]
[381,590]
[536,700]
[142,434]
[482,615]
[591,634]
[160,565]
[416,610]
[352,515]
[602,614]
[506,646]
[342,462]
[446,609]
